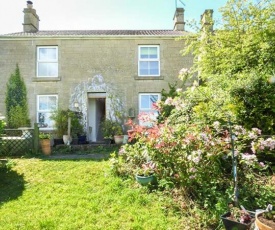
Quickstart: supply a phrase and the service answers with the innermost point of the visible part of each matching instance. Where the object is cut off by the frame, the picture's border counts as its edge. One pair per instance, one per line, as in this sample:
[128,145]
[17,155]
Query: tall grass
[66,194]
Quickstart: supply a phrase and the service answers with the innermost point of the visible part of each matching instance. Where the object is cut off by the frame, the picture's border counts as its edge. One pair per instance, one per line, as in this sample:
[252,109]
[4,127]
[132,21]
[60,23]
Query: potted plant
[146,174]
[112,130]
[266,220]
[237,218]
[107,130]
[62,130]
[45,143]
[118,133]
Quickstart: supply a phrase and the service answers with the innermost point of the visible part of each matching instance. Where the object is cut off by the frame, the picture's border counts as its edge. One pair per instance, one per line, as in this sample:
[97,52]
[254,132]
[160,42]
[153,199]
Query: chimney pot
[31,19]
[29,4]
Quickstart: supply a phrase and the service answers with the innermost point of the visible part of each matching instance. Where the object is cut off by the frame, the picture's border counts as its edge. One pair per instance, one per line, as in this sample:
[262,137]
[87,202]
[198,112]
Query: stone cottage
[96,72]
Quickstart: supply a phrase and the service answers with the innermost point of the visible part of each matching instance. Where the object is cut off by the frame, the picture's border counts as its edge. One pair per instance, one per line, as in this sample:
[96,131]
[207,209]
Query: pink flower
[169,101]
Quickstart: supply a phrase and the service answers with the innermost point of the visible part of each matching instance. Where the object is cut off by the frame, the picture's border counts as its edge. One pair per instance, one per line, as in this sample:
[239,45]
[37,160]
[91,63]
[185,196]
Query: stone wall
[80,59]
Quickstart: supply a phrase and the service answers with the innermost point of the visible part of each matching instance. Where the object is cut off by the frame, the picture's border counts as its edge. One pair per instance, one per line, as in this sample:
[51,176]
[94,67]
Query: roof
[94,33]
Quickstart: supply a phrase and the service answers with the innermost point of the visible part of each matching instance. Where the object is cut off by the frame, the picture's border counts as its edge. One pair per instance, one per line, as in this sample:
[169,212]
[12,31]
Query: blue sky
[103,14]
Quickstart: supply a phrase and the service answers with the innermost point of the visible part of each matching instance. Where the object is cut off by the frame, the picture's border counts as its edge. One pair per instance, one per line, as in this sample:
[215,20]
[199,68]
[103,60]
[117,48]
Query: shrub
[255,98]
[61,117]
[2,124]
[110,128]
[16,101]
[198,158]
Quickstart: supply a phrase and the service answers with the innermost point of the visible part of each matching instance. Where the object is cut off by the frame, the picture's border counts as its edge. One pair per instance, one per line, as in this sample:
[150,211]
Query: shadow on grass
[12,186]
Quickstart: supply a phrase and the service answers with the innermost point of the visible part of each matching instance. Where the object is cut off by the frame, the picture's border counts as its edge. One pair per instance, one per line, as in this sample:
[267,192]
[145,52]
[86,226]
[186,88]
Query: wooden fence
[18,142]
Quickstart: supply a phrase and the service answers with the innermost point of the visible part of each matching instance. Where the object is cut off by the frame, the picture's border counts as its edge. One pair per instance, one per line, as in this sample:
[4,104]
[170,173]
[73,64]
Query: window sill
[149,77]
[46,79]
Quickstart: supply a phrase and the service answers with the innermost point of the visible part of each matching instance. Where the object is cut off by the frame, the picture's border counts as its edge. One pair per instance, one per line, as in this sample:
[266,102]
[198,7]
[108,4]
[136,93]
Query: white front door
[96,114]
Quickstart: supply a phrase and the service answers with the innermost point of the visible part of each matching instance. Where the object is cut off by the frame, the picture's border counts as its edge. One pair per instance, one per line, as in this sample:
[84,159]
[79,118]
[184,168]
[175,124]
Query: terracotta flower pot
[261,225]
[46,146]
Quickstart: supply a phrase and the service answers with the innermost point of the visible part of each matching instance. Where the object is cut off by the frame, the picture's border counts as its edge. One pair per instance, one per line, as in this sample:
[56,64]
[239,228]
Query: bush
[16,101]
[255,98]
[197,157]
[61,117]
[110,128]
[2,124]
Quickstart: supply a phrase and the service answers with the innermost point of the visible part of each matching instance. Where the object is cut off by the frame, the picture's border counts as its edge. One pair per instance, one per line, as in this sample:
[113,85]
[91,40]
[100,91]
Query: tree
[242,48]
[17,112]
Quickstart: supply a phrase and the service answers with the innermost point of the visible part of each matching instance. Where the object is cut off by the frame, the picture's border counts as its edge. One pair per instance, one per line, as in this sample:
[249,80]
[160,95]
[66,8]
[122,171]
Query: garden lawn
[67,194]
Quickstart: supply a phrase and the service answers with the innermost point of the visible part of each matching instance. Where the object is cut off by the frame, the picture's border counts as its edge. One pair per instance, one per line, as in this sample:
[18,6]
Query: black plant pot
[233,225]
[58,141]
[82,140]
[107,141]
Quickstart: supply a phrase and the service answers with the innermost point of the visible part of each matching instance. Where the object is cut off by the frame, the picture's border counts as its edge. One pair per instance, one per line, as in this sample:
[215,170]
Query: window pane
[154,68]
[145,102]
[45,121]
[52,103]
[144,52]
[43,103]
[146,108]
[148,52]
[153,52]
[47,54]
[48,69]
[143,66]
[153,99]
[46,105]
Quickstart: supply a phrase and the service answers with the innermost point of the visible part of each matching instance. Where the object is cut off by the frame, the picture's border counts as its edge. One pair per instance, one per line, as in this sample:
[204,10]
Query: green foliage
[197,157]
[17,117]
[255,98]
[111,128]
[17,112]
[244,41]
[6,165]
[192,145]
[228,59]
[166,108]
[269,215]
[61,117]
[43,135]
[2,124]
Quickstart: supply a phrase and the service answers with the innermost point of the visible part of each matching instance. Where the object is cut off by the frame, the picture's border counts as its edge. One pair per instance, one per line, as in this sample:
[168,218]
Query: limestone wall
[80,59]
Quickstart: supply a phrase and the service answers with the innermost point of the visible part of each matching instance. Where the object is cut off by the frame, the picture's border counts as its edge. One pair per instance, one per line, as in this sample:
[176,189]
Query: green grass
[48,194]
[89,150]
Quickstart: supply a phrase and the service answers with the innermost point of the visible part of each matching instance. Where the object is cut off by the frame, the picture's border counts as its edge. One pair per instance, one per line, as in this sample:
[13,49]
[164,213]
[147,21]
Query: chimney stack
[179,19]
[31,19]
[207,21]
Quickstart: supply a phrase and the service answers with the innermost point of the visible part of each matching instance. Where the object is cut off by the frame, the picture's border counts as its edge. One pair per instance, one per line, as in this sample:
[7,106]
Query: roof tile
[61,33]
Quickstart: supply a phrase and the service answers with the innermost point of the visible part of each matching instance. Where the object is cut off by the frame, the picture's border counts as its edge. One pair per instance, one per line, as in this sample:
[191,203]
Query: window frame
[38,61]
[45,110]
[147,110]
[148,60]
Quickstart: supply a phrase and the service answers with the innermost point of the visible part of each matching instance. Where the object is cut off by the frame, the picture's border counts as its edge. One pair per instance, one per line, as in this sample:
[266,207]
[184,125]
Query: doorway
[96,114]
